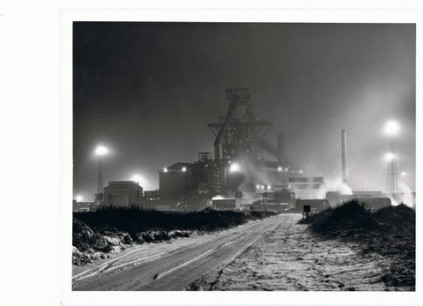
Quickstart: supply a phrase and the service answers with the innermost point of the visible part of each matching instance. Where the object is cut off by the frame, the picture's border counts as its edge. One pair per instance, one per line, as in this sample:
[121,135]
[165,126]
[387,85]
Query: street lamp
[389,156]
[79,198]
[100,151]
[391,129]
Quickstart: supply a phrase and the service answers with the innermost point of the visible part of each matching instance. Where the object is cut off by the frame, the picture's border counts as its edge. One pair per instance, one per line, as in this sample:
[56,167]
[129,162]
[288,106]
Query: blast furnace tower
[240,140]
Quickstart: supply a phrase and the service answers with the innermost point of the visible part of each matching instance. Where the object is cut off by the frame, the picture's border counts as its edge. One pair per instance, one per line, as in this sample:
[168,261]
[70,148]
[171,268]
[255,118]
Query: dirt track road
[292,259]
[272,254]
[171,266]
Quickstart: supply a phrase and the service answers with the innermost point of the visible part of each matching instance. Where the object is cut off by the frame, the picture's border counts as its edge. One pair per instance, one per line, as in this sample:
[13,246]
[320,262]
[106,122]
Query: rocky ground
[97,235]
[90,245]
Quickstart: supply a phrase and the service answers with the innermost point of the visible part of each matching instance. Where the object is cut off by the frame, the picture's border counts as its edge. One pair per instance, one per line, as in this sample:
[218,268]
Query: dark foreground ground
[98,234]
[343,249]
[389,232]
[347,248]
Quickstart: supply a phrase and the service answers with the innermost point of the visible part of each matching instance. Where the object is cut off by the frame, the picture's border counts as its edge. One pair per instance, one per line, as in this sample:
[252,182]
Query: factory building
[84,206]
[123,194]
[186,186]
[151,199]
[307,187]
[315,205]
[176,179]
[183,178]
[336,198]
[278,200]
[283,196]
[372,199]
[237,169]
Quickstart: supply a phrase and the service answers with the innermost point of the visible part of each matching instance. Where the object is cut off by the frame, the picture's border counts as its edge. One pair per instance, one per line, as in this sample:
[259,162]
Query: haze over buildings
[148,90]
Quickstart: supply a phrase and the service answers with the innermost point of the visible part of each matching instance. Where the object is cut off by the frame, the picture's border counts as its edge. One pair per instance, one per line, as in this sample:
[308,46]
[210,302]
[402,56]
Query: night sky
[148,90]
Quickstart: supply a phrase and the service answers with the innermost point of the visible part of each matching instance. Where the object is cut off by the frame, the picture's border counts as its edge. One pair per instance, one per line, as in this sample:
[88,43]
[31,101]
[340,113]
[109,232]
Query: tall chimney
[344,156]
[281,147]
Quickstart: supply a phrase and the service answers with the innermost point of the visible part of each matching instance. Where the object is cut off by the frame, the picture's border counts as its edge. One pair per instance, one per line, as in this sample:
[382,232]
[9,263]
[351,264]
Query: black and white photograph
[243,156]
[219,152]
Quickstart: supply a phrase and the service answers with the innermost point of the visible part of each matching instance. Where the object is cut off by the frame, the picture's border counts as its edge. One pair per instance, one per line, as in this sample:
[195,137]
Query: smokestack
[281,147]
[344,156]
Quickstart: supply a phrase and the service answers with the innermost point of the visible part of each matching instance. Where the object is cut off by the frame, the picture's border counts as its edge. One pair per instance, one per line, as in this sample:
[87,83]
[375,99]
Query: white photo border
[69,297]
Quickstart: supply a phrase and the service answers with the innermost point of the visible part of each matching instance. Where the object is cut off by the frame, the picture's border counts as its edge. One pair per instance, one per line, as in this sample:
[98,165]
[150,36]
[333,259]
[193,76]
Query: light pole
[391,130]
[100,151]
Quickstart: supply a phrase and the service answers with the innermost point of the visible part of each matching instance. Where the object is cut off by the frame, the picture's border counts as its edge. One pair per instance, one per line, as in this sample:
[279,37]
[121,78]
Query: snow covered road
[291,258]
[171,266]
[276,253]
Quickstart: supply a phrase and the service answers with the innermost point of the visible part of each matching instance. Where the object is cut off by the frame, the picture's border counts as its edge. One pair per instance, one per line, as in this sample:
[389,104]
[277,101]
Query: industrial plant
[237,175]
[242,156]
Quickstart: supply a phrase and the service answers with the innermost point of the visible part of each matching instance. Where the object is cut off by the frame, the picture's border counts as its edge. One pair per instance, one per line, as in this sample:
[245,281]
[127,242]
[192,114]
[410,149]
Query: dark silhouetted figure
[306,211]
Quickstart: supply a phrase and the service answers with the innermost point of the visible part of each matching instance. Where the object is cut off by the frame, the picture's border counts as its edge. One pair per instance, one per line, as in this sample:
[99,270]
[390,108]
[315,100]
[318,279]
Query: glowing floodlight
[101,150]
[234,167]
[301,172]
[269,187]
[137,178]
[389,156]
[391,128]
[165,170]
[184,169]
[279,169]
[79,198]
